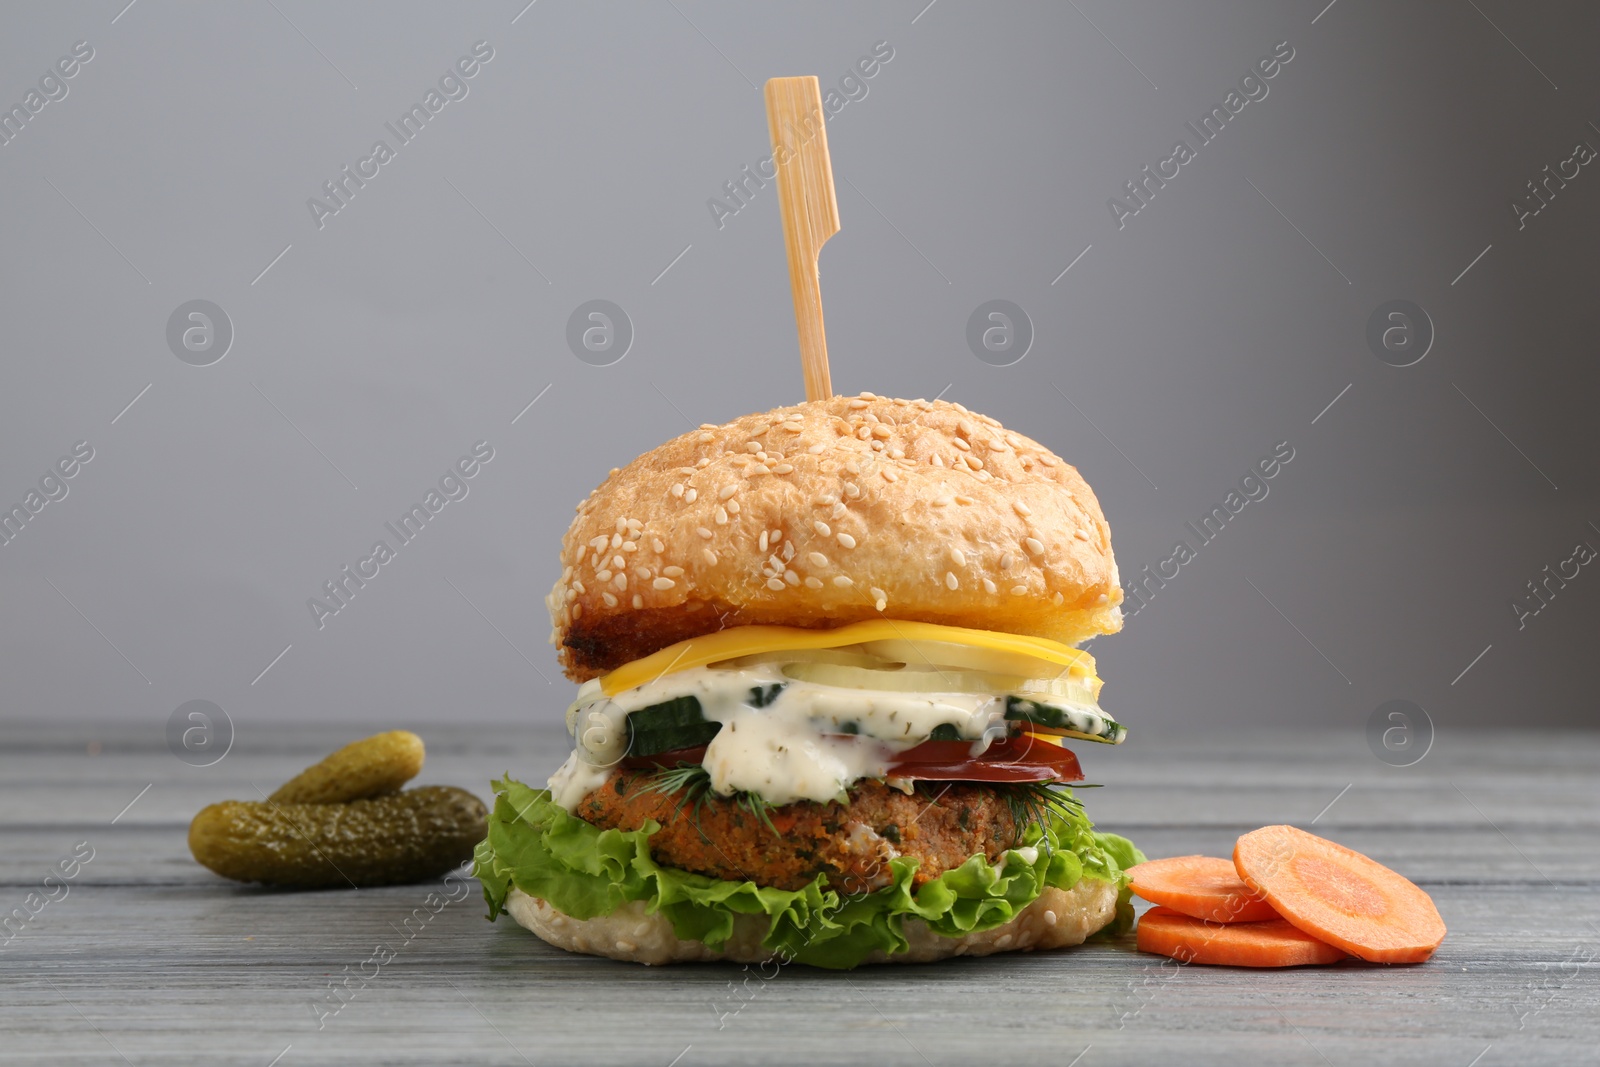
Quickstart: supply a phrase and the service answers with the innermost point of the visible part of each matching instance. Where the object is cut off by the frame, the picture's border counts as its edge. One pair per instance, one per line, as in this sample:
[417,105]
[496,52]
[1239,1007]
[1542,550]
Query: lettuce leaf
[584,871]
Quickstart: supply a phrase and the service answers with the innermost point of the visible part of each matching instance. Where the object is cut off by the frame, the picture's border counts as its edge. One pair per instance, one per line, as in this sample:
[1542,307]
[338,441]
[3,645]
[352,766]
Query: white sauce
[811,742]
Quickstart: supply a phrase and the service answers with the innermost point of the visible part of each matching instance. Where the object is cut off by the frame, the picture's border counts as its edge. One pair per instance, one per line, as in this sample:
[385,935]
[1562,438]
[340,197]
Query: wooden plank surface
[150,959]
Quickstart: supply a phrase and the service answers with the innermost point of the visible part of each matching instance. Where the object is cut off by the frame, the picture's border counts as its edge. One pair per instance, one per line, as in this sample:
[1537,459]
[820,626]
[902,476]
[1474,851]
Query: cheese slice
[750,640]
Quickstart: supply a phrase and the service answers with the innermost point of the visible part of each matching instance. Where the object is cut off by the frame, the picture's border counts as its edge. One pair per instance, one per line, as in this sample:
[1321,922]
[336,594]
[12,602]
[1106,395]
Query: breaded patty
[941,825]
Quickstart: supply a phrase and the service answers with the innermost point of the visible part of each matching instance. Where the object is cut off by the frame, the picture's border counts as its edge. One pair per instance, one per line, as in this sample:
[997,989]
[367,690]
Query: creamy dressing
[810,741]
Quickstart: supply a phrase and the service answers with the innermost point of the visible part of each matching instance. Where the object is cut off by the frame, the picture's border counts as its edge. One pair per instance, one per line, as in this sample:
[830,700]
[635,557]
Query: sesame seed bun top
[827,513]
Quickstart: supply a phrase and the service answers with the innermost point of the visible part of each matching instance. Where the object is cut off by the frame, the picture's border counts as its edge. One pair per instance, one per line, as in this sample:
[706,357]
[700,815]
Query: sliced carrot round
[1206,887]
[1272,943]
[1340,896]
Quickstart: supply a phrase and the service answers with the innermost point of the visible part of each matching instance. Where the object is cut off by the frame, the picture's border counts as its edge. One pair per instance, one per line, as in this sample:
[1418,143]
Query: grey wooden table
[143,957]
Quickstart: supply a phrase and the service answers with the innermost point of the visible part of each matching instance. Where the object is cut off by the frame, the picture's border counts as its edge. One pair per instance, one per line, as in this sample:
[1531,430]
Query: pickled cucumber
[387,840]
[379,764]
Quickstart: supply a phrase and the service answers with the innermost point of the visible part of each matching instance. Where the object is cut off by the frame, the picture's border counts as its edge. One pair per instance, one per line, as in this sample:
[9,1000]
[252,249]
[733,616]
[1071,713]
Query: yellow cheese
[750,640]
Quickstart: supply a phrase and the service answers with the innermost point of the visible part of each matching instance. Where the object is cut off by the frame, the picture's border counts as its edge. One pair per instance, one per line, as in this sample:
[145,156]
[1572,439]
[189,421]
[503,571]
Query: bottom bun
[1058,918]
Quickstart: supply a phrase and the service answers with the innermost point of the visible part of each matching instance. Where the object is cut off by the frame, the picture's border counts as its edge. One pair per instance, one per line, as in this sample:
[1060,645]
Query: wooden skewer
[810,211]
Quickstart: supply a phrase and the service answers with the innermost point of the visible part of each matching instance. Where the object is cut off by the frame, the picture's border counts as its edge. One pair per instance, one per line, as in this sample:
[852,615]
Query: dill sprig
[1035,802]
[691,782]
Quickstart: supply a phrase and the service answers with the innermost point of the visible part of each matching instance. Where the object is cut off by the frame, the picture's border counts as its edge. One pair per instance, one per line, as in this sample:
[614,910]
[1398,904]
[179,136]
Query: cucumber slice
[672,724]
[1076,720]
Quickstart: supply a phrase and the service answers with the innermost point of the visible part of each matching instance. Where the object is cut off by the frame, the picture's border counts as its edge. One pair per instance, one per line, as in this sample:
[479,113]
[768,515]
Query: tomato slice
[666,759]
[1015,759]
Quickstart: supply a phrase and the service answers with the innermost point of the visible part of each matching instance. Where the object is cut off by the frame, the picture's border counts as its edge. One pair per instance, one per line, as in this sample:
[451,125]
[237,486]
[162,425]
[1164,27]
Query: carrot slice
[1339,895]
[1206,887]
[1272,943]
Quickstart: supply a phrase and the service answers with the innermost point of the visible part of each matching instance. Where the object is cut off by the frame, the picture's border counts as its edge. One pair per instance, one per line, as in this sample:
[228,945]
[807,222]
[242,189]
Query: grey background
[428,313]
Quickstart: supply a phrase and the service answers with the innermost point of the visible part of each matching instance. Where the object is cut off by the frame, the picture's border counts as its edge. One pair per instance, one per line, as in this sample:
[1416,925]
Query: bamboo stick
[810,211]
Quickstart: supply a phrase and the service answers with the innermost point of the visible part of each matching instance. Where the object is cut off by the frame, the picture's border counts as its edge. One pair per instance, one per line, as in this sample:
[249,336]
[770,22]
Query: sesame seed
[677,489]
[937,461]
[792,427]
[951,581]
[783,468]
[816,450]
[818,559]
[616,539]
[689,495]
[821,528]
[577,611]
[852,490]
[791,577]
[752,446]
[706,438]
[1033,545]
[1021,508]
[839,511]
[726,491]
[1005,561]
[889,475]
[880,599]
[733,507]
[599,543]
[777,535]
[788,551]
[846,541]
[1080,535]
[988,586]
[710,556]
[813,583]
[1057,599]
[610,600]
[630,546]
[657,544]
[702,464]
[864,432]
[823,500]
[857,405]
[583,550]
[959,443]
[634,526]
[663,583]
[1019,590]
[620,581]
[720,516]
[638,602]
[958,556]
[775,584]
[672,572]
[761,543]
[940,502]
[1048,461]
[843,580]
[618,562]
[974,462]
[965,501]
[642,571]
[881,431]
[602,576]
[703,532]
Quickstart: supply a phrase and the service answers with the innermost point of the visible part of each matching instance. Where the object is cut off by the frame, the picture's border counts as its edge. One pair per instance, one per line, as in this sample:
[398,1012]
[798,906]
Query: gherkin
[370,767]
[385,840]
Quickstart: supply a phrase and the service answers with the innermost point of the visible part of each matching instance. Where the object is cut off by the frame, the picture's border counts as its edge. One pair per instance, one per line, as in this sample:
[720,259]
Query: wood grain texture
[152,958]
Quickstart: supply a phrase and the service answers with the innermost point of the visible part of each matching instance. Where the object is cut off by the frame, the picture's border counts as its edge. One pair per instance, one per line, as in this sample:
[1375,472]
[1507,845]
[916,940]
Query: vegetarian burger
[829,681]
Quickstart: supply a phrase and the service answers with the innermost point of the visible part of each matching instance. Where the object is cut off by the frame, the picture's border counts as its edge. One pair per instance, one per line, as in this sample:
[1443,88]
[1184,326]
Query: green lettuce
[584,871]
